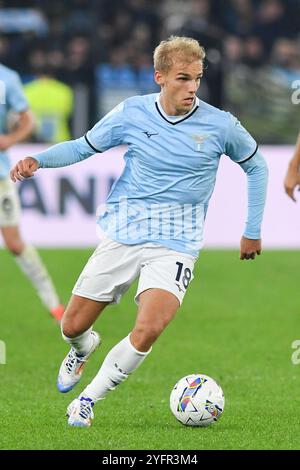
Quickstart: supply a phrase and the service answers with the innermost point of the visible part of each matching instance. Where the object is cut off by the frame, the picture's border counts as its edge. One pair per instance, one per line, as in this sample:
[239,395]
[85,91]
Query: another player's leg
[32,266]
[80,315]
[157,307]
[26,256]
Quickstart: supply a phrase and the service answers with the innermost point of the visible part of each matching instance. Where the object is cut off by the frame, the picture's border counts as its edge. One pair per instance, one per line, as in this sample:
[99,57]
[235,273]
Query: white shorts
[9,204]
[114,266]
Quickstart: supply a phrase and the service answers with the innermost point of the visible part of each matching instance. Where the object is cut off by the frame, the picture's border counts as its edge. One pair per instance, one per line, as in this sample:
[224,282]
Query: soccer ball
[197,400]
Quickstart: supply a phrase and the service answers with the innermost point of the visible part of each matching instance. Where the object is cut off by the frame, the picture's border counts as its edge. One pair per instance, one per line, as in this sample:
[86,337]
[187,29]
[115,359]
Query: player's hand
[24,169]
[250,248]
[5,142]
[292,180]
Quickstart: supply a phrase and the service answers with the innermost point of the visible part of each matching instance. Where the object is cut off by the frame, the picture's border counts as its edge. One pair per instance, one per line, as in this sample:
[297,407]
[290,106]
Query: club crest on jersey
[199,139]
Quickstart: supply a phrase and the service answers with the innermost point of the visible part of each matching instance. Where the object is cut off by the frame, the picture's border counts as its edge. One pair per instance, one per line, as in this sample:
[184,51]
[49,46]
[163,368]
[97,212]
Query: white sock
[32,266]
[120,362]
[82,343]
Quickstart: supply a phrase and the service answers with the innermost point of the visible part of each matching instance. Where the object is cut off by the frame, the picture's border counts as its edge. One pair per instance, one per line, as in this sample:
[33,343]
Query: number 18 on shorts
[114,266]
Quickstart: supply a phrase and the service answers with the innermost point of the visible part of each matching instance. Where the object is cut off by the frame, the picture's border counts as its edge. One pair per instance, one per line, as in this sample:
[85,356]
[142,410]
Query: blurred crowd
[107,45]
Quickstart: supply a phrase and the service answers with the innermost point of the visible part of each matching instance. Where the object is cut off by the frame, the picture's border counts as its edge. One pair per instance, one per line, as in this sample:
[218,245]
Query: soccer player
[155,213]
[292,179]
[13,101]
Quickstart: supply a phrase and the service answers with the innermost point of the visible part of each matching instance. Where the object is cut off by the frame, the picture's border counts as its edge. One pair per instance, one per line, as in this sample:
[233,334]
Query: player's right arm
[24,169]
[107,133]
[63,154]
[292,179]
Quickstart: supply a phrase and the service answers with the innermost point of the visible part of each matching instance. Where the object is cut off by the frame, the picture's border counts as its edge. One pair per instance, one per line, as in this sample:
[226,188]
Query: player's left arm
[240,146]
[24,128]
[257,175]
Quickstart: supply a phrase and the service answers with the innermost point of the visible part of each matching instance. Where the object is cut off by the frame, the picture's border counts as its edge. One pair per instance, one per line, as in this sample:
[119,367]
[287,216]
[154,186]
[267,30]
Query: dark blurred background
[78,58]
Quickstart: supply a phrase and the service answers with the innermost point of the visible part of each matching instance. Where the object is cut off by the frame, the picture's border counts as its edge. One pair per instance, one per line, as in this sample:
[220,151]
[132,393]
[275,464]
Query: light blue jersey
[12,98]
[163,193]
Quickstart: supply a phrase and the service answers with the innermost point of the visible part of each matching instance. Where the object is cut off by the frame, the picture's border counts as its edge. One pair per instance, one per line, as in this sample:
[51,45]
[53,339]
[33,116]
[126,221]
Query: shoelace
[71,361]
[85,408]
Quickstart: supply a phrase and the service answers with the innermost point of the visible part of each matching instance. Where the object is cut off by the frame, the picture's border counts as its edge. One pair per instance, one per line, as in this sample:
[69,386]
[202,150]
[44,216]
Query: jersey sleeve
[108,132]
[257,175]
[64,154]
[239,145]
[15,96]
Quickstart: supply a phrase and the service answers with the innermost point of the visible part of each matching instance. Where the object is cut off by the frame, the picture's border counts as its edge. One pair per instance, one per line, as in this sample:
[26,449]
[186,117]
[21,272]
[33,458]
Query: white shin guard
[119,363]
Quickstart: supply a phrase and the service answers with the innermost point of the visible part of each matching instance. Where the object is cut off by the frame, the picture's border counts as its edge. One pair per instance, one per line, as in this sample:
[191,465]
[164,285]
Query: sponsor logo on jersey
[149,134]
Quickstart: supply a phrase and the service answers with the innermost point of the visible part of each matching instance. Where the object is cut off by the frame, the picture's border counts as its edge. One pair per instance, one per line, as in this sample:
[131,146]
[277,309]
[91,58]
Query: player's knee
[71,329]
[145,335]
[14,246]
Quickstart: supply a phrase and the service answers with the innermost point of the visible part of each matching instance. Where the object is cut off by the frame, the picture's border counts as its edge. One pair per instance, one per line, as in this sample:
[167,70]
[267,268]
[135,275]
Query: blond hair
[179,48]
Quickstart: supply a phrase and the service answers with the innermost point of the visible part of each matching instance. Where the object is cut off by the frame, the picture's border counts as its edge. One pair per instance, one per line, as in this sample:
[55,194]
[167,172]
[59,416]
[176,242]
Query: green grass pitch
[237,324]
